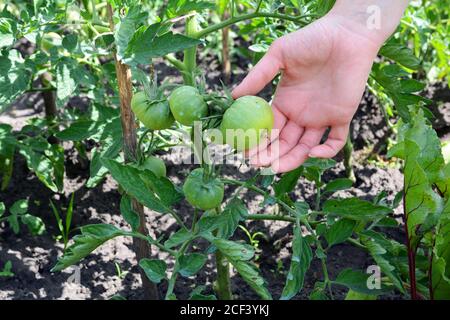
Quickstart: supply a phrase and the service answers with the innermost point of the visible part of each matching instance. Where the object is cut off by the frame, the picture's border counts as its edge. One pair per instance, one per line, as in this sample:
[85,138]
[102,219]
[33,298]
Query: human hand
[324,68]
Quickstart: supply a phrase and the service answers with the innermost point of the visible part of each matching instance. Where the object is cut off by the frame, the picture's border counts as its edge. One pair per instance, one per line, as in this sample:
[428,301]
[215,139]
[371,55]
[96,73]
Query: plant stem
[141,247]
[348,161]
[249,16]
[223,274]
[411,255]
[270,217]
[174,275]
[190,54]
[175,62]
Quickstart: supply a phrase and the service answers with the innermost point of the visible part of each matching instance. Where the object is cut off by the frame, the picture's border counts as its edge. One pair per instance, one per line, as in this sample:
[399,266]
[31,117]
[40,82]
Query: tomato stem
[253,15]
[190,54]
[223,274]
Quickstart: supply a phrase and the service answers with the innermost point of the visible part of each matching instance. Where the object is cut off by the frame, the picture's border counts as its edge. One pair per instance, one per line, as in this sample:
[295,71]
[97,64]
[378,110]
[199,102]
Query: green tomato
[155,165]
[50,40]
[203,194]
[246,121]
[154,116]
[187,105]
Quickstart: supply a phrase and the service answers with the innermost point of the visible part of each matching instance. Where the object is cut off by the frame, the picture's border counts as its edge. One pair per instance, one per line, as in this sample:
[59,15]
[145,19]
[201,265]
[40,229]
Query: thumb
[261,74]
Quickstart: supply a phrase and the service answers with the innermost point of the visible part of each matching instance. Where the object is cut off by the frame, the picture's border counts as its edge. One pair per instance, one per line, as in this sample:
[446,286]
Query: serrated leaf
[91,237]
[232,214]
[129,178]
[35,224]
[355,209]
[19,207]
[250,274]
[339,231]
[287,182]
[300,261]
[400,54]
[178,238]
[337,185]
[190,264]
[154,269]
[234,250]
[357,281]
[130,216]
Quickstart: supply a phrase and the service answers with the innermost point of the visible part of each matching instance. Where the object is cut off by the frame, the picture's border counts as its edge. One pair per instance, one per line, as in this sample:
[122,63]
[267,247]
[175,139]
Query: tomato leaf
[358,282]
[130,216]
[232,214]
[355,209]
[154,269]
[130,179]
[300,261]
[190,264]
[234,250]
[91,237]
[339,232]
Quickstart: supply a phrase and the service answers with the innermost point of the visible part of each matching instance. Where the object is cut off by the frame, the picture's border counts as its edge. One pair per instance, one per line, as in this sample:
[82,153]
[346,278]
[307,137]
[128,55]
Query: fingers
[288,139]
[334,143]
[278,124]
[261,74]
[299,154]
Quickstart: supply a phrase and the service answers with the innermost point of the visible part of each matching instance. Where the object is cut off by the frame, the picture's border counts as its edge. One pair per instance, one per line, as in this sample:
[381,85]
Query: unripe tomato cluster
[249,115]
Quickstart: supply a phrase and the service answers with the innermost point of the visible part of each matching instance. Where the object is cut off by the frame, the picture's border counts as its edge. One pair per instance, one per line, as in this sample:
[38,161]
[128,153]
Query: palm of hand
[324,72]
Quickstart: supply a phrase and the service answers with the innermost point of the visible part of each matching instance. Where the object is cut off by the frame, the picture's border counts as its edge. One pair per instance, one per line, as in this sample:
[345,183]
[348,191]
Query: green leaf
[35,224]
[19,207]
[190,264]
[78,131]
[69,42]
[13,221]
[232,214]
[234,250]
[165,190]
[300,261]
[66,83]
[400,54]
[357,281]
[339,231]
[130,216]
[381,257]
[91,237]
[337,185]
[6,272]
[441,257]
[251,275]
[2,208]
[129,178]
[197,294]
[353,295]
[287,182]
[181,7]
[45,160]
[178,238]
[126,28]
[14,78]
[355,209]
[148,44]
[154,269]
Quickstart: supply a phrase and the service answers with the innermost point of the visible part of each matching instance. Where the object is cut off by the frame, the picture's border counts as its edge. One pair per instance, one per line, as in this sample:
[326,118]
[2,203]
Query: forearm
[374,19]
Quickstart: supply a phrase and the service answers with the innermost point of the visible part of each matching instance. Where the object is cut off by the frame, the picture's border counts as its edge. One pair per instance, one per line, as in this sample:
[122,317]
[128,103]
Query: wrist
[375,20]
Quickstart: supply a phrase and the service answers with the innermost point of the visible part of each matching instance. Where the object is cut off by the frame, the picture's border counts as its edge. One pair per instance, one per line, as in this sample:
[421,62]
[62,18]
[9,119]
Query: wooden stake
[141,247]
